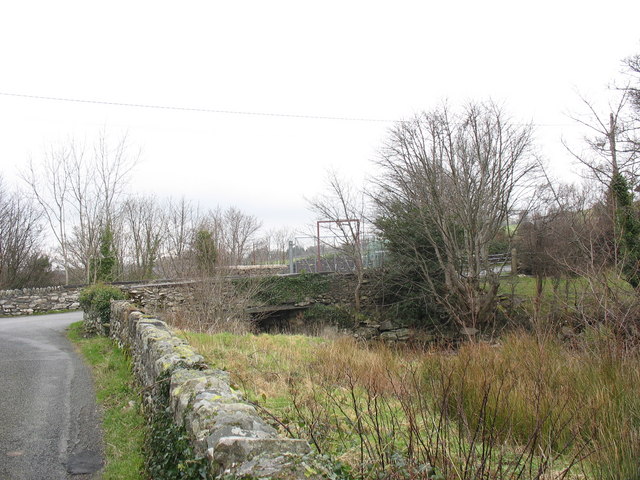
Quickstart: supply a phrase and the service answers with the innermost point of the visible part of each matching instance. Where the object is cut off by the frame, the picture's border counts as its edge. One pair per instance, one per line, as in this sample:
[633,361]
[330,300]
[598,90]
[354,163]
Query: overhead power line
[225,112]
[194,109]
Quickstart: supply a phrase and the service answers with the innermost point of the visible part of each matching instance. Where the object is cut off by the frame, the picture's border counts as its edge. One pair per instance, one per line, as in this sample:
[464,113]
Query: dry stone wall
[27,301]
[223,428]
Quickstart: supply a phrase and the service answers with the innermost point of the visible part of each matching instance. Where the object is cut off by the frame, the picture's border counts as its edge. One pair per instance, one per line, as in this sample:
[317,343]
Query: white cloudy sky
[350,59]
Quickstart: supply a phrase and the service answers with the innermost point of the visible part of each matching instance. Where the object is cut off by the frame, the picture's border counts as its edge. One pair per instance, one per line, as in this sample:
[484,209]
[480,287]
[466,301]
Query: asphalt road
[49,426]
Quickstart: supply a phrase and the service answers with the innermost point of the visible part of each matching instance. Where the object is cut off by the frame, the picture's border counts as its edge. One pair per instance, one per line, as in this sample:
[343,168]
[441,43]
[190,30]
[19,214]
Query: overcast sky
[284,67]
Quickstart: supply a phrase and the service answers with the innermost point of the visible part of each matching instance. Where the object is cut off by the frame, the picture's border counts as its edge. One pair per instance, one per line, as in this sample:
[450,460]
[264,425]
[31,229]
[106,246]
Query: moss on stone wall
[280,290]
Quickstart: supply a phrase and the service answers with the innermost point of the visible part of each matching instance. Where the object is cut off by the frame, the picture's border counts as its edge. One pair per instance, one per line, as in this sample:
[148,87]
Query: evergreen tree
[411,274]
[103,267]
[205,251]
[627,229]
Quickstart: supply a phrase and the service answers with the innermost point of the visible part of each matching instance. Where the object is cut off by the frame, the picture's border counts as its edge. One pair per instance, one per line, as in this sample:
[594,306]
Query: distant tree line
[78,221]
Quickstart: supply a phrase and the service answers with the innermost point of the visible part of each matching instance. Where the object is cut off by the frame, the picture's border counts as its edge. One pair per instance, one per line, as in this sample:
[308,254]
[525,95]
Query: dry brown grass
[530,407]
[214,306]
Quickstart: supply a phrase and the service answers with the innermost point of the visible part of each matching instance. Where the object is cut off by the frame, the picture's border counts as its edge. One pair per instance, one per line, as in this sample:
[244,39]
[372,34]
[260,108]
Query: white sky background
[354,59]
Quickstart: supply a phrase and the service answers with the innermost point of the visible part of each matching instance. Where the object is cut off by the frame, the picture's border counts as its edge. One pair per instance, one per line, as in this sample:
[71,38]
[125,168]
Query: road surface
[49,426]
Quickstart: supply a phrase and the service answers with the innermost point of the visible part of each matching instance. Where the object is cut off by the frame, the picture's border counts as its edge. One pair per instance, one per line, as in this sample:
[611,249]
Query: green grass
[525,287]
[259,364]
[566,288]
[123,423]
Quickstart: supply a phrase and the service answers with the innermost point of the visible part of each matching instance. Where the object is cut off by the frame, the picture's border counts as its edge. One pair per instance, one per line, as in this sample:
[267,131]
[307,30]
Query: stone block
[188,387]
[231,451]
[366,333]
[387,325]
[399,335]
[228,430]
[282,467]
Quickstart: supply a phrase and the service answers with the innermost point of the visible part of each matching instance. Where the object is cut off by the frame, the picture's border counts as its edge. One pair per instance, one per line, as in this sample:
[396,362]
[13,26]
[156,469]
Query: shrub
[214,306]
[97,299]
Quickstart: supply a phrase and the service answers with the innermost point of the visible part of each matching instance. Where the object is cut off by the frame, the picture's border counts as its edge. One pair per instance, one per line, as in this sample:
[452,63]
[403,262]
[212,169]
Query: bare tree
[612,159]
[342,208]
[86,214]
[633,87]
[551,237]
[113,162]
[612,145]
[78,193]
[460,176]
[51,195]
[261,249]
[583,247]
[229,233]
[234,230]
[240,229]
[145,229]
[22,261]
[182,219]
[279,244]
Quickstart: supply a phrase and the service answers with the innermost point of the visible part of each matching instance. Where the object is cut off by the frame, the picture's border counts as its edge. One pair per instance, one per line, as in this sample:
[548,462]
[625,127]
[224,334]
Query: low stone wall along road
[49,427]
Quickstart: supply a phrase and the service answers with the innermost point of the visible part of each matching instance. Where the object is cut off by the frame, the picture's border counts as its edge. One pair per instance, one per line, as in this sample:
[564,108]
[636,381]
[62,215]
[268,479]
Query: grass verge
[123,423]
